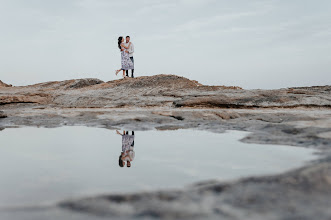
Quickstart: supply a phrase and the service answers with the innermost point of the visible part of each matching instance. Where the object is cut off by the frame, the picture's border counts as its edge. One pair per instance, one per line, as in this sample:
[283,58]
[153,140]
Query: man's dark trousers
[132,71]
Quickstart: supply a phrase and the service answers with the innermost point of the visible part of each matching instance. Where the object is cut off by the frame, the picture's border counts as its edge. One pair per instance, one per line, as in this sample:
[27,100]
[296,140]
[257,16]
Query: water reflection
[47,165]
[127,155]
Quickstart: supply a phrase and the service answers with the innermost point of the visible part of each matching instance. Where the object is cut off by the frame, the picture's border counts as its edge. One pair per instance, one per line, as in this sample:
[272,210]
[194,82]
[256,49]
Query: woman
[127,64]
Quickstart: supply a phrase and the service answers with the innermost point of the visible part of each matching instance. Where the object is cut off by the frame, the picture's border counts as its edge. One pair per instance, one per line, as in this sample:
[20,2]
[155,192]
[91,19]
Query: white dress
[127,142]
[126,62]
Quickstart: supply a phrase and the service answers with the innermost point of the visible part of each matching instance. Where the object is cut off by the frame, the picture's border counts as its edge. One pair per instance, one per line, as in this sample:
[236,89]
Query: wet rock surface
[292,116]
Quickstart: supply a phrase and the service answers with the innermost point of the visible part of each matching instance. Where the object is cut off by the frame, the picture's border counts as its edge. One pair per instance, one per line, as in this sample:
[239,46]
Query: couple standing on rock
[127,60]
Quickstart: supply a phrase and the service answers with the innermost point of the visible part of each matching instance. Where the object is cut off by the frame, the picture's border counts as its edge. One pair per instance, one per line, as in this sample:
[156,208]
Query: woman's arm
[126,157]
[132,155]
[122,45]
[118,132]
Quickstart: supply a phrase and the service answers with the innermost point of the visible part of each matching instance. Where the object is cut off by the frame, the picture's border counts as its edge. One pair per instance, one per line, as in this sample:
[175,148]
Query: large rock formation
[298,116]
[161,91]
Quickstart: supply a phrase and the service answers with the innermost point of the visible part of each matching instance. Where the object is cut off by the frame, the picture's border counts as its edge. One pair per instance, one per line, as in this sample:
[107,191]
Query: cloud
[155,8]
[198,24]
[196,3]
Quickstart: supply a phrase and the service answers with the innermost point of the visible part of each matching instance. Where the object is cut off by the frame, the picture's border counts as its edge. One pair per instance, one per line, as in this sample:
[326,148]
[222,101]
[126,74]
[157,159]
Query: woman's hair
[120,41]
[120,161]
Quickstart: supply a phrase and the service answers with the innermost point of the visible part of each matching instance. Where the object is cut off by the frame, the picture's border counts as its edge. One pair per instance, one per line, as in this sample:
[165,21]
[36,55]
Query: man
[130,51]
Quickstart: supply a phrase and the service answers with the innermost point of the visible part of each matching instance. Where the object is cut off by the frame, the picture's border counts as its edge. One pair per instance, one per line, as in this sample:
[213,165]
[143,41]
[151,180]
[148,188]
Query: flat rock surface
[290,116]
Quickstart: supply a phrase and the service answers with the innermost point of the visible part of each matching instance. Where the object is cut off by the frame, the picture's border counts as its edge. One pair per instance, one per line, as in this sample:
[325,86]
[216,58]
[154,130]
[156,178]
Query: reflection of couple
[127,61]
[127,154]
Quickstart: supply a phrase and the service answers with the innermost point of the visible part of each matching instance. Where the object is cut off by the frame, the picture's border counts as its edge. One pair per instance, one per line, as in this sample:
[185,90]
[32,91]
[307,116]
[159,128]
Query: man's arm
[131,48]
[126,47]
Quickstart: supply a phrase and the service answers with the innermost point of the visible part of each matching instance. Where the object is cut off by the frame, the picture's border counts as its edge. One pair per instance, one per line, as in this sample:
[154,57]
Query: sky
[255,44]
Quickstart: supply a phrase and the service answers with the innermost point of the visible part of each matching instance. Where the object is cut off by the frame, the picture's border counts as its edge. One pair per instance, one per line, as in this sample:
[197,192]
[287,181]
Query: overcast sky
[253,44]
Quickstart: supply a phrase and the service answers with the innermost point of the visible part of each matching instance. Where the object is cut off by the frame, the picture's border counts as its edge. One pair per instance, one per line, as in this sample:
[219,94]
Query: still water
[43,165]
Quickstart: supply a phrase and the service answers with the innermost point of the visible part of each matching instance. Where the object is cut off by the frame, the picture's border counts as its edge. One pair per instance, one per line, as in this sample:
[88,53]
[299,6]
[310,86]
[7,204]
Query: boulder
[2,84]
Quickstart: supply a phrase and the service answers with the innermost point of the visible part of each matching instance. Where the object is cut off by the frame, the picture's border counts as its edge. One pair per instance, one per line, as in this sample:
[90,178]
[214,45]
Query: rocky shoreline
[290,116]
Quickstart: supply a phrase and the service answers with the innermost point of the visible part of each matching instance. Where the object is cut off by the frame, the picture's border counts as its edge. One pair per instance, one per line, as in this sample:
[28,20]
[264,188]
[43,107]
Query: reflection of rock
[303,194]
[2,84]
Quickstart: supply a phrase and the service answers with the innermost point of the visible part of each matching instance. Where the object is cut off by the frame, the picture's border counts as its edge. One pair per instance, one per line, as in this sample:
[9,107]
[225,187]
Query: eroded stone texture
[161,91]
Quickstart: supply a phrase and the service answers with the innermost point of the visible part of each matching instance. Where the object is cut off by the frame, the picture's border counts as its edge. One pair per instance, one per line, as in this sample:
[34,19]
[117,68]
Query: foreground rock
[294,116]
